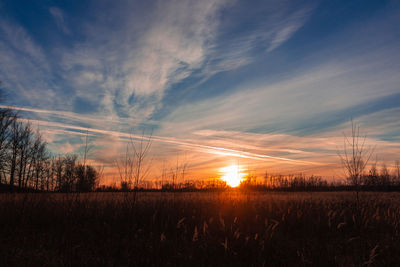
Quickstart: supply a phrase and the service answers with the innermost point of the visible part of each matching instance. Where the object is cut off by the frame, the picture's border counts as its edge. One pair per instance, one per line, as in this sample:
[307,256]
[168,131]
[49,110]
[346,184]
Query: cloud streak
[58,16]
[71,129]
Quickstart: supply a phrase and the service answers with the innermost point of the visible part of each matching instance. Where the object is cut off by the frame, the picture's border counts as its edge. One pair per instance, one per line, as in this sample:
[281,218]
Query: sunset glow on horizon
[233,175]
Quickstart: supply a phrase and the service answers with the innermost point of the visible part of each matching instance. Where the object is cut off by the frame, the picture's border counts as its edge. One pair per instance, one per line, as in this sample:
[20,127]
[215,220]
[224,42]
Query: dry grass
[200,229]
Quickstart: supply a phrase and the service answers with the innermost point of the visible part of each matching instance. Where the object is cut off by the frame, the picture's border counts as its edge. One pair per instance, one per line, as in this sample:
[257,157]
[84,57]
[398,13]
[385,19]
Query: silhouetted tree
[40,155]
[7,118]
[24,152]
[355,156]
[68,179]
[87,178]
[125,166]
[397,172]
[14,144]
[372,179]
[384,176]
[133,167]
[140,147]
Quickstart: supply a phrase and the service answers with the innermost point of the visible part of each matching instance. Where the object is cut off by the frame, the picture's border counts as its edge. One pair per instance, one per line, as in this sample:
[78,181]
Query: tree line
[376,179]
[27,165]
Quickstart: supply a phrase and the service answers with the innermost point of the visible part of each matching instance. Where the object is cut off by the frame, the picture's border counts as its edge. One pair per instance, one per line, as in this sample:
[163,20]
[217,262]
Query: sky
[269,85]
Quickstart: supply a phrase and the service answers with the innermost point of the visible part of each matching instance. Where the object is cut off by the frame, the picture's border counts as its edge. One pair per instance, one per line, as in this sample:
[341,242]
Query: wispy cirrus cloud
[24,67]
[307,100]
[132,77]
[277,25]
[129,73]
[182,40]
[289,26]
[58,16]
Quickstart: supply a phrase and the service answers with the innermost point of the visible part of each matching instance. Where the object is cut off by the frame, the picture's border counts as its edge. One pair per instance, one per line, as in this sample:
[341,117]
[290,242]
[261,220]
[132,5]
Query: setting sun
[233,175]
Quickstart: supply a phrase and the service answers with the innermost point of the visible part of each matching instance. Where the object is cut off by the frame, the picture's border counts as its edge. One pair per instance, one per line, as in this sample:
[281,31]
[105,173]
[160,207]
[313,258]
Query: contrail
[203,148]
[68,114]
[122,135]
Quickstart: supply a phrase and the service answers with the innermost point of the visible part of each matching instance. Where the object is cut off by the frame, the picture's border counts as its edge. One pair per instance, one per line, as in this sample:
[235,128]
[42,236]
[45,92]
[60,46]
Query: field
[200,229]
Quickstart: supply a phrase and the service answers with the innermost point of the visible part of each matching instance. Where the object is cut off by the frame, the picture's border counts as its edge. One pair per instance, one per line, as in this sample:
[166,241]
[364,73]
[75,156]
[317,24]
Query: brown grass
[200,229]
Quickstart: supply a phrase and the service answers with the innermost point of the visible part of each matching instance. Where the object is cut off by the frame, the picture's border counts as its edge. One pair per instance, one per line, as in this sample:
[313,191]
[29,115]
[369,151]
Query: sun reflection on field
[233,175]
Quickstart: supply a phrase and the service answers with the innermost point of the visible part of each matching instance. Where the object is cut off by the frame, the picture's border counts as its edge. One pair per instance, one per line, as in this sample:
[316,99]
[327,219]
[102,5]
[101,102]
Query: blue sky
[273,84]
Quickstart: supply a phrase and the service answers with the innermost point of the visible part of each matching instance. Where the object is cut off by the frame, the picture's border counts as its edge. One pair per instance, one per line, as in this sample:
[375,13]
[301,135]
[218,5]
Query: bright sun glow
[233,175]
